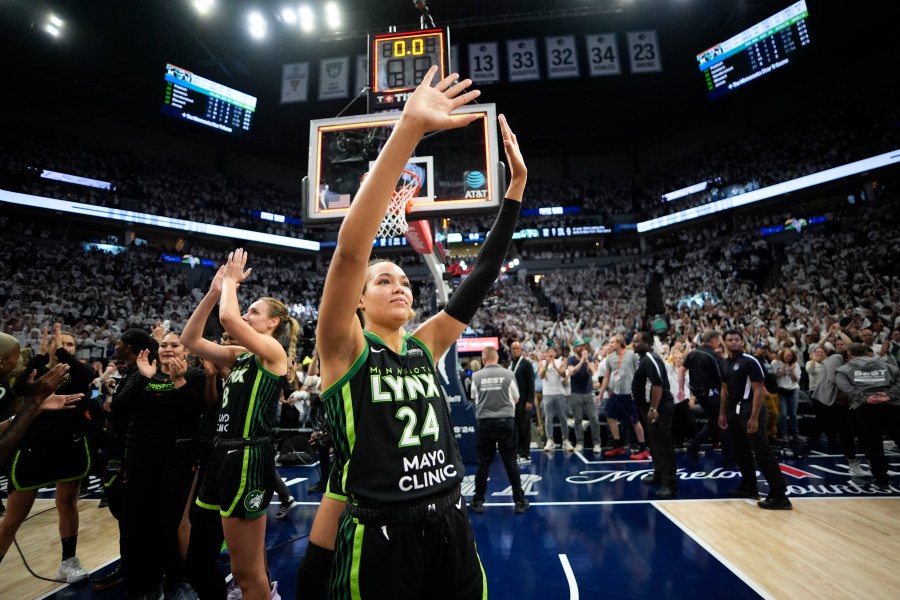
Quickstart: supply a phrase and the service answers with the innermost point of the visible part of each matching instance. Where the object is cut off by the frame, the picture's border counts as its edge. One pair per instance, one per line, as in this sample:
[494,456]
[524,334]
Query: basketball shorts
[622,408]
[44,462]
[240,480]
[426,551]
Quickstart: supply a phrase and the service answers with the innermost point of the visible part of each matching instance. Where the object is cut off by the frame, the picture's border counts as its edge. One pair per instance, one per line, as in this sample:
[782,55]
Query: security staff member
[744,415]
[657,408]
[524,373]
[495,394]
[706,383]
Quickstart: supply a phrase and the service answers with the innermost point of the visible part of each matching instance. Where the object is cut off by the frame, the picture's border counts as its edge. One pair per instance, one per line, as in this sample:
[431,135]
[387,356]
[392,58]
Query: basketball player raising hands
[393,511]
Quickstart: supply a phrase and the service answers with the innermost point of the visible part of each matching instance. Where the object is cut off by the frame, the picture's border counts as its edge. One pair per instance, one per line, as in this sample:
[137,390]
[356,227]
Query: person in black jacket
[743,414]
[703,365]
[524,372]
[657,409]
[53,450]
[131,343]
[161,460]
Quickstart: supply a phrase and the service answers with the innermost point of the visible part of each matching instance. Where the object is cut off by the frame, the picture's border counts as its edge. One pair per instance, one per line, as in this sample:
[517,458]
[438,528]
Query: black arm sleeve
[467,298]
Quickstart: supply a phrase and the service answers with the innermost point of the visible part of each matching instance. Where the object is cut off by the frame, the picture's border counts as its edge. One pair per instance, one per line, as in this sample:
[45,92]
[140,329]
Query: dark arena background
[693,165]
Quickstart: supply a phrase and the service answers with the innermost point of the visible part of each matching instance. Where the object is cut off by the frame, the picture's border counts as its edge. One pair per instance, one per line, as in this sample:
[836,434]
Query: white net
[394,223]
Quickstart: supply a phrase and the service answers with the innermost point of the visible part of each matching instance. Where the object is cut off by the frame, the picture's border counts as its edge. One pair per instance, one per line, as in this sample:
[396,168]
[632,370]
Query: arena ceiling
[110,58]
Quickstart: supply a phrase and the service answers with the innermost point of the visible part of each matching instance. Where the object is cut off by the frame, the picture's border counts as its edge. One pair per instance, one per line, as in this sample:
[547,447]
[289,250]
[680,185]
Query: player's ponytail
[293,334]
[287,323]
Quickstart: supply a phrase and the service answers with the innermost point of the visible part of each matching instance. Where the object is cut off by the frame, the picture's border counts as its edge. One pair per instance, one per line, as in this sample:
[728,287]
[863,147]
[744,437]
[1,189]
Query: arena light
[691,189]
[332,16]
[131,217]
[288,15]
[779,189]
[54,25]
[204,7]
[307,18]
[257,25]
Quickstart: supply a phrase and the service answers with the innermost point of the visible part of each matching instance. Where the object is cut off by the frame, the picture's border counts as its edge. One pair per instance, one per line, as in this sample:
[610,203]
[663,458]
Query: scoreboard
[398,61]
[759,50]
[196,99]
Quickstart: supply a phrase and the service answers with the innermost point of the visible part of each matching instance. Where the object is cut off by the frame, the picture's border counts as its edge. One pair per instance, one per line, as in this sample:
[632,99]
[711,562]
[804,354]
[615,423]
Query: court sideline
[594,531]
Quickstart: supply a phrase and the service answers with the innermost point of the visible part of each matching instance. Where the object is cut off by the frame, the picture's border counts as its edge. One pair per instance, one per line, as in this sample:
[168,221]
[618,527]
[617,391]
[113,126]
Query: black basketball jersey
[391,427]
[249,400]
[7,401]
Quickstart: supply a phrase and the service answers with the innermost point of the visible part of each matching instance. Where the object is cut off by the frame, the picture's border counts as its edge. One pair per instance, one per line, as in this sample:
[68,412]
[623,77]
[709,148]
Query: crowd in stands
[779,151]
[152,185]
[808,143]
[99,294]
[724,272]
[795,286]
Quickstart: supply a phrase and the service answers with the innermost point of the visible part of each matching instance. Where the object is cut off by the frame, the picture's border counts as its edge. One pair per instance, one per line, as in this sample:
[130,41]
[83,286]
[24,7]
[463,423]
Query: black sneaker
[882,485]
[651,480]
[742,493]
[317,489]
[666,492]
[477,506]
[771,503]
[522,506]
[110,580]
[104,501]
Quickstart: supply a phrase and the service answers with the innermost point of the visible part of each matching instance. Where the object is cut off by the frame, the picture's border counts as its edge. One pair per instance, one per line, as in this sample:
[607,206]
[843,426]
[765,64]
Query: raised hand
[147,368]
[159,331]
[518,170]
[215,288]
[60,402]
[177,368]
[47,383]
[44,347]
[56,339]
[429,107]
[234,267]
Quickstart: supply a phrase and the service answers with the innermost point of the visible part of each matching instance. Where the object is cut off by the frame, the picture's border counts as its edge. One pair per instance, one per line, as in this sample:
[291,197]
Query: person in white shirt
[617,375]
[552,372]
[787,369]
[814,366]
[683,425]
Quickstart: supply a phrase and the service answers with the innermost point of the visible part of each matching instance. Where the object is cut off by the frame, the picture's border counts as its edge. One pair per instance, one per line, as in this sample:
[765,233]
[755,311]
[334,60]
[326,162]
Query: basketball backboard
[458,168]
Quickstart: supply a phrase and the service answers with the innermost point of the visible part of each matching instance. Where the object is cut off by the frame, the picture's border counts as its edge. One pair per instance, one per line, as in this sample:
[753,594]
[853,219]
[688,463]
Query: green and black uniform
[55,448]
[240,481]
[398,467]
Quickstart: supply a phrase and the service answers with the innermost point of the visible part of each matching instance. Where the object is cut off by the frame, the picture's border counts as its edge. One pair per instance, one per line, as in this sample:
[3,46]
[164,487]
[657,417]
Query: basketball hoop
[394,223]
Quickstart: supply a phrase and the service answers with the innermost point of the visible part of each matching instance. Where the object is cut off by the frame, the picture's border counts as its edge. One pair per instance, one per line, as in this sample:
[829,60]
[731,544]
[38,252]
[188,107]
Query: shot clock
[398,61]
